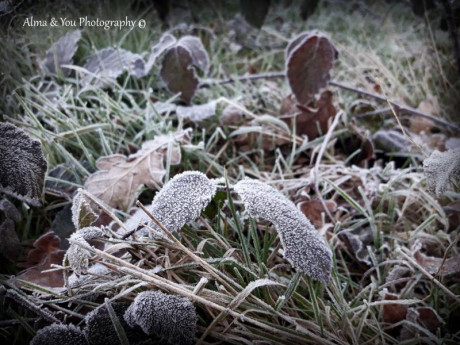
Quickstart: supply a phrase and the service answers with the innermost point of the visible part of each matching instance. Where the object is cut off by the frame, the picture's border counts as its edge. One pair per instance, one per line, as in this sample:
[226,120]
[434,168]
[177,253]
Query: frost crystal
[172,318]
[442,168]
[77,255]
[100,329]
[303,247]
[179,202]
[58,334]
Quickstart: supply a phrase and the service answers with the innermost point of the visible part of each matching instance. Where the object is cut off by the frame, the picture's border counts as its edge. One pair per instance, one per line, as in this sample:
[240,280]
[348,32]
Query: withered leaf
[435,265]
[22,165]
[309,59]
[426,317]
[314,208]
[255,11]
[61,53]
[177,68]
[45,253]
[107,64]
[311,120]
[166,41]
[83,214]
[119,178]
[441,169]
[358,239]
[393,313]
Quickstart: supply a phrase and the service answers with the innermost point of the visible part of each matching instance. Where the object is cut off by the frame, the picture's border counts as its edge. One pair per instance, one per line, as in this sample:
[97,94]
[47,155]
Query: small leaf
[9,243]
[166,41]
[441,169]
[82,212]
[255,11]
[177,69]
[78,256]
[61,53]
[197,113]
[303,247]
[59,334]
[10,211]
[309,59]
[119,178]
[22,165]
[107,64]
[172,318]
[179,202]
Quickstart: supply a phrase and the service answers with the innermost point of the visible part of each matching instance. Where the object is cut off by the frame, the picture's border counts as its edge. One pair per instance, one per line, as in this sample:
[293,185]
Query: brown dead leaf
[426,317]
[436,265]
[311,120]
[231,115]
[120,178]
[45,253]
[393,313]
[264,136]
[314,208]
[357,241]
[453,214]
[353,141]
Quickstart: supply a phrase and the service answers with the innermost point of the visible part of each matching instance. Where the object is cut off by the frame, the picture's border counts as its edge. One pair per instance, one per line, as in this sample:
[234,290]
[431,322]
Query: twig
[396,106]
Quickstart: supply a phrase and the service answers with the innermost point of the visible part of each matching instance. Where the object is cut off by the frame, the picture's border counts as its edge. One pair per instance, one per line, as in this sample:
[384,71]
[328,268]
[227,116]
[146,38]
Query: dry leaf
[426,317]
[309,59]
[107,64]
[22,165]
[119,178]
[311,120]
[442,168]
[358,240]
[45,253]
[166,41]
[177,67]
[61,53]
[314,208]
[83,214]
[231,115]
[393,313]
[438,266]
[9,243]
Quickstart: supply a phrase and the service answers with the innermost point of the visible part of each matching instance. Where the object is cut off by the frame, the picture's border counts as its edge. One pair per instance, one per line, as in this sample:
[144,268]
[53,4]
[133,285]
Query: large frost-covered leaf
[177,68]
[119,178]
[61,53]
[166,41]
[22,165]
[59,334]
[303,247]
[172,318]
[179,202]
[441,169]
[309,59]
[108,64]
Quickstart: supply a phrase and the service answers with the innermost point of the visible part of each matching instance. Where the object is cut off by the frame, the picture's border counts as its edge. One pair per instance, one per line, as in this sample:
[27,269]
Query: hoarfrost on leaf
[172,318]
[59,334]
[77,255]
[441,169]
[179,202]
[303,247]
[22,165]
[61,53]
[82,213]
[166,41]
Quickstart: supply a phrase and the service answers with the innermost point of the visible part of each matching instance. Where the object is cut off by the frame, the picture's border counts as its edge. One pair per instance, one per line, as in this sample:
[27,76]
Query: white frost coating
[78,256]
[179,202]
[92,274]
[58,334]
[172,318]
[303,247]
[442,168]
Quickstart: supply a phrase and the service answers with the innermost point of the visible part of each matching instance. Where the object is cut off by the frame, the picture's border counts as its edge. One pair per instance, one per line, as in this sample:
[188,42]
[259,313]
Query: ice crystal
[172,318]
[59,334]
[303,247]
[179,202]
[100,329]
[442,168]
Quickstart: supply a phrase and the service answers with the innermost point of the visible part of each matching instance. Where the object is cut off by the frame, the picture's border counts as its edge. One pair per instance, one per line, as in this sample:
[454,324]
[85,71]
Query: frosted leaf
[179,202]
[172,318]
[22,165]
[82,213]
[59,334]
[77,255]
[120,178]
[441,169]
[10,211]
[166,41]
[10,246]
[197,113]
[108,64]
[93,273]
[177,67]
[303,247]
[62,52]
[100,330]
